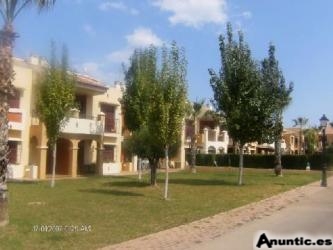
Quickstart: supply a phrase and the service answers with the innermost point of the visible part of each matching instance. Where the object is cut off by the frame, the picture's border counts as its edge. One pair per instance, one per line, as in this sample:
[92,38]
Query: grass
[114,209]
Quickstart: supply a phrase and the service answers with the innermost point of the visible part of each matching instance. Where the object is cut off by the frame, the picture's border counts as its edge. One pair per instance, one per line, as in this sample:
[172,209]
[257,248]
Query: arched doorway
[63,157]
[211,150]
[33,151]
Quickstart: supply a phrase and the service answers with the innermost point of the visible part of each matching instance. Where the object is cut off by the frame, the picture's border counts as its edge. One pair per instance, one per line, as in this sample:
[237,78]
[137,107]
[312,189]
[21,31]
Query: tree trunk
[153,168]
[241,165]
[166,187]
[7,37]
[4,216]
[193,157]
[140,168]
[54,155]
[278,162]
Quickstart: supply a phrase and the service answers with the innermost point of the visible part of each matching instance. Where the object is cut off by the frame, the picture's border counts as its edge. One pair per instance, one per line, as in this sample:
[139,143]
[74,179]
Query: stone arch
[34,152]
[211,150]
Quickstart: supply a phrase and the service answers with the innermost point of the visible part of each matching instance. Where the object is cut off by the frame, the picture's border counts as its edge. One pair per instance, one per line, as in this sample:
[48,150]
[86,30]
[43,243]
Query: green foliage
[300,121]
[140,78]
[277,93]
[55,97]
[154,100]
[311,140]
[169,102]
[143,144]
[264,161]
[238,91]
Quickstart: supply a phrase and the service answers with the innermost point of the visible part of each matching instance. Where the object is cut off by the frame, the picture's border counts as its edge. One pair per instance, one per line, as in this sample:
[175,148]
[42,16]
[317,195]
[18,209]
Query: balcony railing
[83,126]
[15,119]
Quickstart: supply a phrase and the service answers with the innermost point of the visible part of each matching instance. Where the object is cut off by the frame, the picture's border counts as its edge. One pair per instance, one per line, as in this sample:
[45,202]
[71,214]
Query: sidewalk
[191,235]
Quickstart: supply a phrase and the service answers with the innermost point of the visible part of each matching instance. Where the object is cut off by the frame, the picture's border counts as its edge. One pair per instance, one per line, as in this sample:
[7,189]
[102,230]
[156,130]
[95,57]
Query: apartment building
[291,136]
[210,136]
[89,142]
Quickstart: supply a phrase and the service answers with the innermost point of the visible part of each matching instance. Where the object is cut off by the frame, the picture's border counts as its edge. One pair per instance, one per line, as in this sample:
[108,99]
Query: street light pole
[323,124]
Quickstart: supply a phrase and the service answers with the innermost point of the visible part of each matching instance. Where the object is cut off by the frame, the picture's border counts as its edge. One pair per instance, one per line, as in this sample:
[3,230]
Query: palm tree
[301,122]
[196,108]
[9,10]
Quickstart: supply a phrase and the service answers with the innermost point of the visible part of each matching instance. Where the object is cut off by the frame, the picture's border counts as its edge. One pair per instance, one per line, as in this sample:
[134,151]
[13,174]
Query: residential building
[210,135]
[291,136]
[90,140]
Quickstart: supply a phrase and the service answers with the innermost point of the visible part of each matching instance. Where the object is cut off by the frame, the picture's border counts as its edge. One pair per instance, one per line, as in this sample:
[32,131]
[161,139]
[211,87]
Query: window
[108,153]
[81,101]
[14,100]
[13,152]
[110,123]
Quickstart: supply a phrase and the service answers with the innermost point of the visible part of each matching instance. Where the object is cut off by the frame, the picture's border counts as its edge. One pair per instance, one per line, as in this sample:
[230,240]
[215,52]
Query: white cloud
[142,37]
[90,67]
[194,13]
[117,5]
[100,71]
[120,55]
[105,6]
[89,29]
[247,14]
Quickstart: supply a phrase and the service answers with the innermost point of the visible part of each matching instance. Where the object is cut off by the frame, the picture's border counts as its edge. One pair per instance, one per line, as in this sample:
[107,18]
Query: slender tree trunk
[278,162]
[153,169]
[241,165]
[166,187]
[140,168]
[193,156]
[300,141]
[54,156]
[7,37]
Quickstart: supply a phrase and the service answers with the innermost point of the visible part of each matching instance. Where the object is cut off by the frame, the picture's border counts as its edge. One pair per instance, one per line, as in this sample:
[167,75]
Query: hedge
[263,161]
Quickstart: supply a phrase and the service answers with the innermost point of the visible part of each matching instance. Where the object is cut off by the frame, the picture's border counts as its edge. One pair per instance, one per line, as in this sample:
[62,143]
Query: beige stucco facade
[89,142]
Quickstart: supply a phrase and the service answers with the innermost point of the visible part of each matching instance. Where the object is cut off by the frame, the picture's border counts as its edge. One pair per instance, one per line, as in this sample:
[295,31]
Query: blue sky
[101,34]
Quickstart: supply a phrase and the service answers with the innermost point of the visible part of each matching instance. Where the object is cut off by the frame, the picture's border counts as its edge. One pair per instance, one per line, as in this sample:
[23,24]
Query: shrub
[264,161]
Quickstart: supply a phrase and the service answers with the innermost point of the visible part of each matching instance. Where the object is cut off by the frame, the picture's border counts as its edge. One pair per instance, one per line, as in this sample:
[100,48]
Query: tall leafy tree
[310,140]
[300,122]
[169,104]
[278,98]
[55,101]
[9,10]
[194,112]
[238,93]
[140,79]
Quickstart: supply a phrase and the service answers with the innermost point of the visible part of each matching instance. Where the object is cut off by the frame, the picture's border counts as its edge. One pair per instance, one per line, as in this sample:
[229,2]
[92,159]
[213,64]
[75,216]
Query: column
[99,162]
[42,162]
[205,142]
[73,158]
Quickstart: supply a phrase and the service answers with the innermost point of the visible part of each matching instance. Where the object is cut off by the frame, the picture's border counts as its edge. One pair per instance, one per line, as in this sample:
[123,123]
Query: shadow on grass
[110,192]
[203,182]
[180,181]
[17,181]
[128,183]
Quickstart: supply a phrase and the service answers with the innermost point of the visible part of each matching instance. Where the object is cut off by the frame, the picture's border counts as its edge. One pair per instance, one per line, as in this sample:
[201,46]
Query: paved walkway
[197,233]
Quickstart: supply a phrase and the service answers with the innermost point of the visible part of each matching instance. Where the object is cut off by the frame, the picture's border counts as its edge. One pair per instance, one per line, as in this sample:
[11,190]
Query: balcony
[83,126]
[15,119]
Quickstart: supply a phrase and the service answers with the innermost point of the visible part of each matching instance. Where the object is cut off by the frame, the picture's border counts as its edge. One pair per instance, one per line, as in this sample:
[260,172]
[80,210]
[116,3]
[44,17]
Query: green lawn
[116,209]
